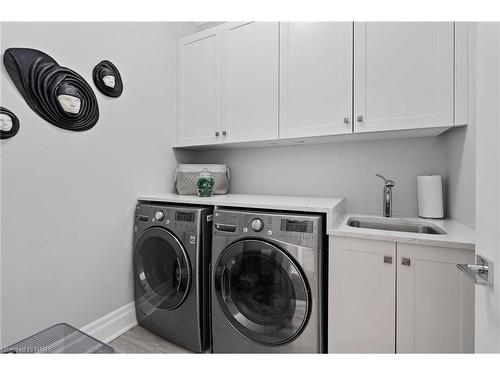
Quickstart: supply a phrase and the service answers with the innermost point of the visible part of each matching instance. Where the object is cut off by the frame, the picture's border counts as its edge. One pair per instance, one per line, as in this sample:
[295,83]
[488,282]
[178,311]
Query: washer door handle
[225,227]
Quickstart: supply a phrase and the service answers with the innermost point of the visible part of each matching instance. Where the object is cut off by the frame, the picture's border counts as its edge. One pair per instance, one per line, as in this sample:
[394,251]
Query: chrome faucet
[387,196]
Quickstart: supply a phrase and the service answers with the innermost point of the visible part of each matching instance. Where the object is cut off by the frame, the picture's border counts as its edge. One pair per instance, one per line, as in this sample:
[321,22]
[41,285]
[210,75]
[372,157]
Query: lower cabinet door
[435,301]
[361,308]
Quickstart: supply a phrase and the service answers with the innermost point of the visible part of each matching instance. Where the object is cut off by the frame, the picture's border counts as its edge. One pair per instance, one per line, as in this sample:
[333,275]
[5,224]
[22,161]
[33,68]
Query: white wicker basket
[186,174]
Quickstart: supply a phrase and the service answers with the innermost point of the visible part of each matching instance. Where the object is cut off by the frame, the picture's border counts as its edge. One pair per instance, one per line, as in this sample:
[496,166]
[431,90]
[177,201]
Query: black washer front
[262,292]
[161,268]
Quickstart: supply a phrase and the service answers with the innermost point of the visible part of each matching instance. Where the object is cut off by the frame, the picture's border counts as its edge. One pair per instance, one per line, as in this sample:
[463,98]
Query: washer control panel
[300,229]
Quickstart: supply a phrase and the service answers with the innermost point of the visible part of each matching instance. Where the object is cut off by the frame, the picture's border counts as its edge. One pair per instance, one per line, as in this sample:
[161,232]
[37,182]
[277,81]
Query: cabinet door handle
[360,118]
[216,134]
[347,120]
[405,261]
[387,259]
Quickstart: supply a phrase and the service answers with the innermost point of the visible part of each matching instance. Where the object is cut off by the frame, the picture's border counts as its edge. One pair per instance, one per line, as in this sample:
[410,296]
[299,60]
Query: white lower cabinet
[435,301]
[362,296]
[387,297]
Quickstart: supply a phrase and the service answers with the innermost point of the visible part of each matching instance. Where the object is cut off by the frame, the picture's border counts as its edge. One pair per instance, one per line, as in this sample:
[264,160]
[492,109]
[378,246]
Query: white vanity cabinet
[315,78]
[403,75]
[435,301]
[397,297]
[362,296]
[199,88]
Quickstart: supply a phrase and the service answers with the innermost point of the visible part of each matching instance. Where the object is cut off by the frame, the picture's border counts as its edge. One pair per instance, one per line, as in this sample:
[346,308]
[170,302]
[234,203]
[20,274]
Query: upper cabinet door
[199,88]
[316,78]
[403,75]
[250,81]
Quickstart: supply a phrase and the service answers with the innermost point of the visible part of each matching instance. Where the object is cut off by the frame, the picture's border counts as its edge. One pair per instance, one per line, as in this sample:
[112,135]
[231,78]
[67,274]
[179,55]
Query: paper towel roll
[430,196]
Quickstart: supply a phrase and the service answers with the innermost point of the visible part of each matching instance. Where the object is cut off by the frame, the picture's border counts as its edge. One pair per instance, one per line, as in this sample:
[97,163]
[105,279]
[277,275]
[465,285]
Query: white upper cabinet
[250,81]
[463,37]
[268,81]
[403,75]
[199,88]
[315,78]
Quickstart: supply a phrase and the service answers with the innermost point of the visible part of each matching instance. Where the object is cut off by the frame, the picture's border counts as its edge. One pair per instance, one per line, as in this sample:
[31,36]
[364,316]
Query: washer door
[162,269]
[262,292]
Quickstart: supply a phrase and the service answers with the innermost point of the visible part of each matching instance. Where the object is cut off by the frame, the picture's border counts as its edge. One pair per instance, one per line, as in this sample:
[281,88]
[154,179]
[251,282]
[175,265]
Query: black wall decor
[57,94]
[8,128]
[107,79]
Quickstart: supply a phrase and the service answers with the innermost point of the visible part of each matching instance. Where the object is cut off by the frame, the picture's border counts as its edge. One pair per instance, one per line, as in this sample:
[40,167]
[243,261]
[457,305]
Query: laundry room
[313,185]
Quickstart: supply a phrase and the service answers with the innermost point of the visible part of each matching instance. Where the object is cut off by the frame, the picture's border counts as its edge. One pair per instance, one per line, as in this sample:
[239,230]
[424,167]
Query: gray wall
[460,160]
[336,170]
[67,199]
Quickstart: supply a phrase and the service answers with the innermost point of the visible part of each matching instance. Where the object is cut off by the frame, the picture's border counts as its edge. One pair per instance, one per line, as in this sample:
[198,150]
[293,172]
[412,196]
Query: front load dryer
[171,272]
[267,275]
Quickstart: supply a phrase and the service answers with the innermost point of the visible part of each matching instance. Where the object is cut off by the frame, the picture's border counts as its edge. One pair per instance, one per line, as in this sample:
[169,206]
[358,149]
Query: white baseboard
[112,325]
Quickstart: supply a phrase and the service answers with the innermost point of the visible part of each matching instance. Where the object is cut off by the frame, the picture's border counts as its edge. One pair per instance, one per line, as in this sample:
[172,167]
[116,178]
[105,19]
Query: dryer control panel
[300,229]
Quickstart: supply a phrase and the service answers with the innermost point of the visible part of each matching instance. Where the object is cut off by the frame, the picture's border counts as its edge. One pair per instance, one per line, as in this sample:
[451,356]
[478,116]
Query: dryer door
[262,292]
[161,268]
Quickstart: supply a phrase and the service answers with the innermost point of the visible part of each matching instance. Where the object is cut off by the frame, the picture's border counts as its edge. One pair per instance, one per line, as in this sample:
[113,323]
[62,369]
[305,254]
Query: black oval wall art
[57,94]
[107,79]
[9,123]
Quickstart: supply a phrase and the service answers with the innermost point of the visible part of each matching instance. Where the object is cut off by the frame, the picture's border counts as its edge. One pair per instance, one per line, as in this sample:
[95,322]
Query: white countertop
[332,207]
[457,235]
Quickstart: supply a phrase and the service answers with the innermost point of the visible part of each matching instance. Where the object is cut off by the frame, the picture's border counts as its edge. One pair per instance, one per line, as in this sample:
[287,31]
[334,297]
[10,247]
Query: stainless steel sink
[397,225]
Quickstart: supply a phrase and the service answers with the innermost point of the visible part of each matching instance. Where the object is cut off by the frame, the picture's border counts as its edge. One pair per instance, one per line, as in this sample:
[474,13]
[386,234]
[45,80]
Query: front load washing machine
[171,272]
[267,275]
